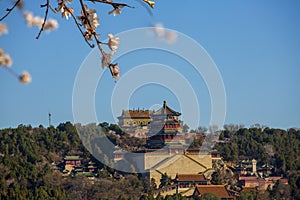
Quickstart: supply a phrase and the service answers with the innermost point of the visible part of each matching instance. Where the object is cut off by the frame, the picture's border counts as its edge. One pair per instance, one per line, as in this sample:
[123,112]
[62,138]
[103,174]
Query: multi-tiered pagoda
[165,128]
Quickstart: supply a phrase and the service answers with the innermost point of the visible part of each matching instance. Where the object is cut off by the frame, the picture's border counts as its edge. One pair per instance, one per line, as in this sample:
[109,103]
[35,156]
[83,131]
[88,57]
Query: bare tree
[233,127]
[213,129]
[201,130]
[269,150]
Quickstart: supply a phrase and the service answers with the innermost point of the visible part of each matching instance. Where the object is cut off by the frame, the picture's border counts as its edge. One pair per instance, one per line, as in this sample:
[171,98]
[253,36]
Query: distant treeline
[29,158]
[277,147]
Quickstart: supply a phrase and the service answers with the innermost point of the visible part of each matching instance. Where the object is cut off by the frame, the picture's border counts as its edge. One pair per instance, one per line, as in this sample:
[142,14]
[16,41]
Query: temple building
[218,190]
[190,180]
[251,176]
[70,162]
[131,119]
[165,128]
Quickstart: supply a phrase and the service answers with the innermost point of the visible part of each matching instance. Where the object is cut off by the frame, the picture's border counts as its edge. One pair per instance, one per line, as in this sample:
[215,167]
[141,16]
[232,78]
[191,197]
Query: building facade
[165,128]
[190,180]
[131,119]
[218,190]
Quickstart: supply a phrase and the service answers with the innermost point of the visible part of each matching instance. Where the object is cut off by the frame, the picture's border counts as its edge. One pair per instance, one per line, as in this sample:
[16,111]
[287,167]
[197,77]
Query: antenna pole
[49,115]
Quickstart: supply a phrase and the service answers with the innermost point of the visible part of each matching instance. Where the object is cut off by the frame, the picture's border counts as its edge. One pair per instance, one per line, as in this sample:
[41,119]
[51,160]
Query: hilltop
[31,158]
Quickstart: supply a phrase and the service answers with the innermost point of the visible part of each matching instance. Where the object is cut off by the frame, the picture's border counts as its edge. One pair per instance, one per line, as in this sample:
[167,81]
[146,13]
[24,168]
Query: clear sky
[255,45]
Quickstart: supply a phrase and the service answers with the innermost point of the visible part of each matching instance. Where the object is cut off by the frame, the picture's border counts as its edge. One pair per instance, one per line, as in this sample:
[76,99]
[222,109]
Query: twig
[98,43]
[94,33]
[9,10]
[110,69]
[102,51]
[115,5]
[53,10]
[45,18]
[146,7]
[89,23]
[12,71]
[85,13]
[78,26]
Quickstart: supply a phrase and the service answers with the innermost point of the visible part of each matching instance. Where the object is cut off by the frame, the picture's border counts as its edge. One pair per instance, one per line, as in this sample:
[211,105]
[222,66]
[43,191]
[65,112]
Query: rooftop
[190,177]
[248,189]
[218,190]
[73,158]
[136,114]
[166,110]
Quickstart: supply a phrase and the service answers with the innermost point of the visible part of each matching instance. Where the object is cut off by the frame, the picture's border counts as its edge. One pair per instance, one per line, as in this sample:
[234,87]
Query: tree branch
[115,5]
[52,9]
[13,72]
[45,18]
[78,26]
[10,9]
[94,33]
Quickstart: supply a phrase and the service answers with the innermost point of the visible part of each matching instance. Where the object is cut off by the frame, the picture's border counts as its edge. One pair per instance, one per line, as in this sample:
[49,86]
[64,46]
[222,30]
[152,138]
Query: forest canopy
[28,153]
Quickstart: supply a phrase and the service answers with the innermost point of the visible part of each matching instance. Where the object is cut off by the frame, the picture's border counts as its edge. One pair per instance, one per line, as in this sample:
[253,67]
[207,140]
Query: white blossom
[88,34]
[3,29]
[5,59]
[115,11]
[162,33]
[171,36]
[150,3]
[25,78]
[105,60]
[115,71]
[94,20]
[32,20]
[66,12]
[113,42]
[51,24]
[91,18]
[64,1]
[2,52]
[28,16]
[37,21]
[159,30]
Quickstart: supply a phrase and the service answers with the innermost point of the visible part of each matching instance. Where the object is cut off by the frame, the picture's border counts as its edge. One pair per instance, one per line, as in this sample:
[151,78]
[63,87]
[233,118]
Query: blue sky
[255,45]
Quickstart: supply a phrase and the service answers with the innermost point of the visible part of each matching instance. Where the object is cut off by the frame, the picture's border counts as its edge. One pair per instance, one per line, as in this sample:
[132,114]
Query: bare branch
[52,9]
[13,72]
[146,7]
[45,18]
[110,69]
[85,13]
[115,5]
[78,26]
[94,33]
[10,9]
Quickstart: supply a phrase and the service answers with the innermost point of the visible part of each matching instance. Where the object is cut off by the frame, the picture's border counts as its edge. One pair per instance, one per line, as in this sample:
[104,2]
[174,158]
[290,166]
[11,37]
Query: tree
[197,143]
[149,186]
[213,129]
[294,182]
[147,197]
[245,195]
[116,129]
[87,23]
[280,191]
[174,197]
[165,180]
[104,125]
[185,128]
[201,130]
[209,196]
